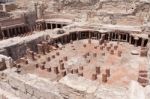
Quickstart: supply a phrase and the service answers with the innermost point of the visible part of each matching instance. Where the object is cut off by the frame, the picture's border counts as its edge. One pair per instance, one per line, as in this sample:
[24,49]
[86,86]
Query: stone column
[62,66]
[71,37]
[51,24]
[136,41]
[40,49]
[62,40]
[15,31]
[19,31]
[77,35]
[56,25]
[26,29]
[65,58]
[65,38]
[119,38]
[4,7]
[37,27]
[89,35]
[98,35]
[115,36]
[12,34]
[40,26]
[102,36]
[108,72]
[45,46]
[63,73]
[130,39]
[109,36]
[142,43]
[98,70]
[56,71]
[75,71]
[126,37]
[3,35]
[23,29]
[8,33]
[30,54]
[61,25]
[46,24]
[104,78]
[94,76]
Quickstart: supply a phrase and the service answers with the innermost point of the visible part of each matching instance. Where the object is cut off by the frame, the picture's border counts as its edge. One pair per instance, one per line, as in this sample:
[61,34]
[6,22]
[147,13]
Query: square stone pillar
[45,46]
[3,35]
[8,33]
[136,41]
[46,24]
[15,31]
[130,39]
[142,43]
[126,37]
[119,38]
[51,25]
[40,49]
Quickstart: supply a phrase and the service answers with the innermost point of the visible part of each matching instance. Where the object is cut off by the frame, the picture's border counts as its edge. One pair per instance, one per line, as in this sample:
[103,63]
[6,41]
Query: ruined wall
[18,50]
[10,7]
[5,62]
[1,7]
[4,14]
[8,22]
[50,15]
[29,86]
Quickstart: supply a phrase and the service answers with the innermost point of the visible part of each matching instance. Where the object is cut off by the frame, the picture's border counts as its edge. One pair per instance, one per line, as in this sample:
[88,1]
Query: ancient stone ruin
[74,49]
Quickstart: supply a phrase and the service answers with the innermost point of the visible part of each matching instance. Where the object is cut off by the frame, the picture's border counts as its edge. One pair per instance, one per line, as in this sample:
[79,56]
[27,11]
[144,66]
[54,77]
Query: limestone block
[29,89]
[16,83]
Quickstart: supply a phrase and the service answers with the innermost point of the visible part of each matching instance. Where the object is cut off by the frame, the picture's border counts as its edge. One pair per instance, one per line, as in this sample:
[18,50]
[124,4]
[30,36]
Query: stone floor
[109,63]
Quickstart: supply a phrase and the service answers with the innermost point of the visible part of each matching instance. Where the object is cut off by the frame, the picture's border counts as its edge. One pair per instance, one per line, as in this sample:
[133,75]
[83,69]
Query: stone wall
[3,14]
[30,86]
[16,47]
[10,7]
[9,22]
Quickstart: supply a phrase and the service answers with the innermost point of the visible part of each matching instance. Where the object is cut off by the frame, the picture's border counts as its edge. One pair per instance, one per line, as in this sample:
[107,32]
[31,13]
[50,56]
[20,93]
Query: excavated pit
[108,63]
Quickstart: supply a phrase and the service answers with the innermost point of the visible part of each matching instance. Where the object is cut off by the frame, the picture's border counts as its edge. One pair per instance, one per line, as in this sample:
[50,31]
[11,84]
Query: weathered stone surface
[31,85]
[6,95]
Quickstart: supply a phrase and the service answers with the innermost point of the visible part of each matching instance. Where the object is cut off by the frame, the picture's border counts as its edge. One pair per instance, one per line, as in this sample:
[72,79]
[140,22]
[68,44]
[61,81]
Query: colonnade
[48,25]
[110,36]
[77,35]
[13,31]
[7,32]
[52,25]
